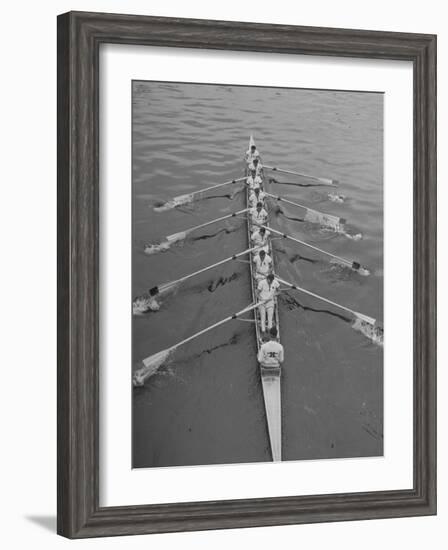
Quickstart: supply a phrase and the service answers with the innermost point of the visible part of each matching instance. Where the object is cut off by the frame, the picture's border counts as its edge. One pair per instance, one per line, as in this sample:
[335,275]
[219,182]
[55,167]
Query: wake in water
[292,303]
[338,228]
[295,257]
[224,231]
[294,183]
[148,303]
[169,361]
[373,332]
[181,239]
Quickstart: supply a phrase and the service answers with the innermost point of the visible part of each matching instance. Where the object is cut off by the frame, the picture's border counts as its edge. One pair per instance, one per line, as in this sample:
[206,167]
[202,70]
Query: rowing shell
[270,377]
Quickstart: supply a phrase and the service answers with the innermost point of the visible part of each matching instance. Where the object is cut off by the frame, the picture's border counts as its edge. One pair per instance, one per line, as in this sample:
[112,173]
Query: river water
[206,406]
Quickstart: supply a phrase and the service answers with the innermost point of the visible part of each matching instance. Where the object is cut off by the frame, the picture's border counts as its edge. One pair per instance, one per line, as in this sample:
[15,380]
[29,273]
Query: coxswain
[266,291]
[251,154]
[263,265]
[256,196]
[258,215]
[271,353]
[260,238]
[254,181]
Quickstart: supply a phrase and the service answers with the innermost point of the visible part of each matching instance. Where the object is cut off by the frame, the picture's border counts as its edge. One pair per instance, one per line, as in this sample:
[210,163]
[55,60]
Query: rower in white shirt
[258,215]
[256,196]
[254,181]
[260,238]
[267,290]
[257,166]
[251,154]
[271,353]
[263,265]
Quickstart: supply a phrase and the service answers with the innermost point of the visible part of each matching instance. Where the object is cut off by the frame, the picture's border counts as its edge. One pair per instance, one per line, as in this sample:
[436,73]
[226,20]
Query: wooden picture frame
[79,38]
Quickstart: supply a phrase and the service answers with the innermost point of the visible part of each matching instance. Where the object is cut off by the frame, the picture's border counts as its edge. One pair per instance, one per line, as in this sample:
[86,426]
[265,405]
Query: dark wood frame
[79,38]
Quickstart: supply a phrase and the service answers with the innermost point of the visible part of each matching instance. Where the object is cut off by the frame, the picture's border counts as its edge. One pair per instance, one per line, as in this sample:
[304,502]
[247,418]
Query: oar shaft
[215,325]
[343,260]
[222,218]
[204,269]
[278,198]
[216,186]
[322,298]
[326,181]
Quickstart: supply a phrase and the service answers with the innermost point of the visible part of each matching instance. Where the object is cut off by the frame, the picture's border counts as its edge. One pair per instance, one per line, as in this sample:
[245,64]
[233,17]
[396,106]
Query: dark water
[206,406]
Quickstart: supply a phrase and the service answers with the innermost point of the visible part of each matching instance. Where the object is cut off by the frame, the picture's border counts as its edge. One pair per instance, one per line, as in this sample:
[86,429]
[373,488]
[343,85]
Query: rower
[256,196]
[254,181]
[263,265]
[266,291]
[251,154]
[260,238]
[258,215]
[271,353]
[257,166]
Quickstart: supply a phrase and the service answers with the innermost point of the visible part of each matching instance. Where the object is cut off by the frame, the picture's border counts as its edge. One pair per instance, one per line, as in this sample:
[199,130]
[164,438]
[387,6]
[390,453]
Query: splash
[354,266]
[164,246]
[356,237]
[173,203]
[144,304]
[157,248]
[334,197]
[371,330]
[150,366]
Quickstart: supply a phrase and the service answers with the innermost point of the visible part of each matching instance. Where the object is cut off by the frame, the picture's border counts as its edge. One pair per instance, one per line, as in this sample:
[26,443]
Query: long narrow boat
[270,377]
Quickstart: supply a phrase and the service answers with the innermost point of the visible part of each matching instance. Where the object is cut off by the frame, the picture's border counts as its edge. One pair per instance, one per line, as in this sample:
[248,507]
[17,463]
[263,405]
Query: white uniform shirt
[271,354]
[253,199]
[257,168]
[264,266]
[267,291]
[249,157]
[259,218]
[260,240]
[254,182]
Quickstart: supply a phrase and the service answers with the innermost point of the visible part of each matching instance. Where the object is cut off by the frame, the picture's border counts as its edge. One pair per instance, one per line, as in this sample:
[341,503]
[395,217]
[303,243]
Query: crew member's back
[271,353]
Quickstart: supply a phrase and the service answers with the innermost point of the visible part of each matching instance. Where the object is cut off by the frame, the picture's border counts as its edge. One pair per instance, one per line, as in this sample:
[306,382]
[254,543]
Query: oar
[360,316]
[356,266]
[166,286]
[153,362]
[367,325]
[176,237]
[190,197]
[323,181]
[314,216]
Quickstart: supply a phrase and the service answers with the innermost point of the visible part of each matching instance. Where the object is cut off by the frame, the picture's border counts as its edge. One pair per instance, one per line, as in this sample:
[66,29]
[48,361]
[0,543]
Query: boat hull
[270,376]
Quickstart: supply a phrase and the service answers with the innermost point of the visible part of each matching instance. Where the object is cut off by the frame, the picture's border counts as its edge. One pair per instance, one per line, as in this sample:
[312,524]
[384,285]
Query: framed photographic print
[246,274]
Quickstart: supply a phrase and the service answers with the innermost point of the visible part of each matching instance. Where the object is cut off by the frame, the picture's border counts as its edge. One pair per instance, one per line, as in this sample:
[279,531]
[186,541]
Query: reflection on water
[206,407]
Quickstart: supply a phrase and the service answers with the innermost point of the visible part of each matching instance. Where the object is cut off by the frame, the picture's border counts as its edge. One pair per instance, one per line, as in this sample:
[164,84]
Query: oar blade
[166,244]
[150,366]
[369,327]
[325,220]
[174,203]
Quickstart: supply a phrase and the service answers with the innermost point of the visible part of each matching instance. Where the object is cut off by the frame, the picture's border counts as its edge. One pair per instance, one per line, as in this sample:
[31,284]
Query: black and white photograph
[257,274]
